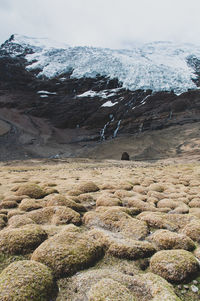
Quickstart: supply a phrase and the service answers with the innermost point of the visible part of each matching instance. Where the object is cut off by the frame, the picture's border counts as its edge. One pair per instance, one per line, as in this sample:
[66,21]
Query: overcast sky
[104,23]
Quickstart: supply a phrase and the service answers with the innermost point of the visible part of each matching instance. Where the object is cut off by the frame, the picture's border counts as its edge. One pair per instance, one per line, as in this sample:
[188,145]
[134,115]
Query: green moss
[6,260]
[109,290]
[21,240]
[174,265]
[26,280]
[68,252]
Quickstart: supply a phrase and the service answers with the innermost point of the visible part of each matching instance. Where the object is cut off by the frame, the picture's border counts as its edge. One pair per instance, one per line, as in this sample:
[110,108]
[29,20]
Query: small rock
[125,156]
[194,288]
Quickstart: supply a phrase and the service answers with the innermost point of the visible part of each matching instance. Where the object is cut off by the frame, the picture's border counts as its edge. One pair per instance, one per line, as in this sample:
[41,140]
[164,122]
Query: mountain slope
[66,99]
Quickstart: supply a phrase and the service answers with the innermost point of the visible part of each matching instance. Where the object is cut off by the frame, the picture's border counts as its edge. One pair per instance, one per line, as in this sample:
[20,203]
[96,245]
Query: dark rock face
[68,108]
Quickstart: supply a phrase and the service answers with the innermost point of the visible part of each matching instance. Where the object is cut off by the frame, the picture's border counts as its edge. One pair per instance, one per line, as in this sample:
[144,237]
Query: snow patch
[109,104]
[46,92]
[102,94]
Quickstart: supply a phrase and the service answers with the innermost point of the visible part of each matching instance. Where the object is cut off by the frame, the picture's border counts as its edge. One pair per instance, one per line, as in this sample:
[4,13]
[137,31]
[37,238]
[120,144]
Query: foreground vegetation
[99,230]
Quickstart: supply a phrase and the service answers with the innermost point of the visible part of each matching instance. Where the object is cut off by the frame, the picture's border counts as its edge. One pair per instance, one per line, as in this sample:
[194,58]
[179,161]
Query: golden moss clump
[160,289]
[131,249]
[26,280]
[34,191]
[31,204]
[14,198]
[192,230]
[74,192]
[109,290]
[57,215]
[147,287]
[88,187]
[174,265]
[166,240]
[61,200]
[106,200]
[117,220]
[137,203]
[157,187]
[195,212]
[130,211]
[15,211]
[140,189]
[68,252]
[157,220]
[195,203]
[124,193]
[8,204]
[21,240]
[17,221]
[119,246]
[164,203]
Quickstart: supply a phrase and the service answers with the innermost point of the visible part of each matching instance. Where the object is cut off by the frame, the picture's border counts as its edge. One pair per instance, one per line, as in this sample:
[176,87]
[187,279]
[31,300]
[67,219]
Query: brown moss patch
[34,191]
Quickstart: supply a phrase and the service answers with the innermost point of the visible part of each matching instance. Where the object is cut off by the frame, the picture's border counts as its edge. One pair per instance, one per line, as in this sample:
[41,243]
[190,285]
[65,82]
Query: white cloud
[105,23]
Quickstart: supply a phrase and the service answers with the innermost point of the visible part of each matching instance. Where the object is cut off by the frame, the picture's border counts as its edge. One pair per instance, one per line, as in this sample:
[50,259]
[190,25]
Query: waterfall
[117,129]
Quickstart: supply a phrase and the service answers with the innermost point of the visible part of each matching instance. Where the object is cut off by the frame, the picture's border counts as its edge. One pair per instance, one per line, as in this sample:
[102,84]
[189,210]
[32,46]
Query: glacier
[159,66]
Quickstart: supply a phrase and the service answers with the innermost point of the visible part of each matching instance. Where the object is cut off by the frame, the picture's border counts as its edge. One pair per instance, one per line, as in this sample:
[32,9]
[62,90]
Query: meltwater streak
[159,66]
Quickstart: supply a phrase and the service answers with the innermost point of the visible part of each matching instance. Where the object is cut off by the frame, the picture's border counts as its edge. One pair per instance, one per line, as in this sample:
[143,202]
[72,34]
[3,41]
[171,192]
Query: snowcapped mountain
[55,95]
[159,66]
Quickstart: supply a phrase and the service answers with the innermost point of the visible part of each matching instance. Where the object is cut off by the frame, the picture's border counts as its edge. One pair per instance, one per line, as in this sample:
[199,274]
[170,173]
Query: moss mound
[192,230]
[116,245]
[26,280]
[157,220]
[61,200]
[57,215]
[174,265]
[160,289]
[34,191]
[31,204]
[157,187]
[87,284]
[8,204]
[21,240]
[166,240]
[109,290]
[17,221]
[68,252]
[131,249]
[105,200]
[117,220]
[88,187]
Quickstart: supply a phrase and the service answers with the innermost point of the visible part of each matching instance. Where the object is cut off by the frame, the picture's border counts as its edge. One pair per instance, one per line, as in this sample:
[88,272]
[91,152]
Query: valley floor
[91,230]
